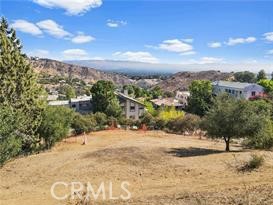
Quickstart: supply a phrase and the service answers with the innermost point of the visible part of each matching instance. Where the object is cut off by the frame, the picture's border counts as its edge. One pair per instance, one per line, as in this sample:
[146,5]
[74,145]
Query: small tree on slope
[230,118]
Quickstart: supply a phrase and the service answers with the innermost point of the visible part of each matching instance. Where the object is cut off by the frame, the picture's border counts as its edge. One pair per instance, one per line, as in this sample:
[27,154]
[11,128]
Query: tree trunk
[227,144]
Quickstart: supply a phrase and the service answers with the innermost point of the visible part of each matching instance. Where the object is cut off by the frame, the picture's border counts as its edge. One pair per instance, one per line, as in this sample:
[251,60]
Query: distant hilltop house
[182,97]
[131,108]
[180,101]
[167,102]
[238,90]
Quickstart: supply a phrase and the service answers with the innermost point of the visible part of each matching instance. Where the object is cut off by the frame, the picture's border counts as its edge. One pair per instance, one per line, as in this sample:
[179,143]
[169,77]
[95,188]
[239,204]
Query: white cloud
[214,45]
[235,41]
[210,60]
[268,36]
[188,53]
[137,56]
[75,54]
[41,53]
[175,45]
[52,28]
[26,27]
[115,23]
[82,38]
[188,40]
[72,7]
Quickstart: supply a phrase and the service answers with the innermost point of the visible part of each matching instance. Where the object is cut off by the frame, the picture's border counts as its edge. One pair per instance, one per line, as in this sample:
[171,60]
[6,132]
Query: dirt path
[161,169]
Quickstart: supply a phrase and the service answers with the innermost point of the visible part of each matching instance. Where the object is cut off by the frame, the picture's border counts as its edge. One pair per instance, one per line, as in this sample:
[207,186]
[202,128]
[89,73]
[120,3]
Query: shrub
[148,120]
[189,123]
[168,114]
[255,162]
[80,124]
[263,139]
[10,147]
[55,124]
[112,121]
[160,124]
[101,119]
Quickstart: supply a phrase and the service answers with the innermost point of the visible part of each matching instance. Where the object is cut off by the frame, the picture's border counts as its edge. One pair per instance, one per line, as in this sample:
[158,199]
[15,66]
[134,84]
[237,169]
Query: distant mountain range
[126,67]
[177,81]
[139,68]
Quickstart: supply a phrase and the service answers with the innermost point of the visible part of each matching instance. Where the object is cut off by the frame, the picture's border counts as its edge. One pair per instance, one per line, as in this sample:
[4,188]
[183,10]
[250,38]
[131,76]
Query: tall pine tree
[18,86]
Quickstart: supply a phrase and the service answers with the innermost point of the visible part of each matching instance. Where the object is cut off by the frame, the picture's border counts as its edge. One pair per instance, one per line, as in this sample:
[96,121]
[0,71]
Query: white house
[182,97]
[238,90]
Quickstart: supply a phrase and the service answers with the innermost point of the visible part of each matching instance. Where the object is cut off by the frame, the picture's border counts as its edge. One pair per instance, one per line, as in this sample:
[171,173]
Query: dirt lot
[161,169]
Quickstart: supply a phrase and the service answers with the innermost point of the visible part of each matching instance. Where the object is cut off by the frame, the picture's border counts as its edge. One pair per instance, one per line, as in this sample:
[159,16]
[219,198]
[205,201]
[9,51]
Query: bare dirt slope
[182,80]
[53,67]
[161,169]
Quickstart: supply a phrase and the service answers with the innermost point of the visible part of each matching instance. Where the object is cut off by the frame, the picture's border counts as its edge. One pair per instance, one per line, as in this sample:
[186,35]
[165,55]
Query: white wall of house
[251,90]
[182,97]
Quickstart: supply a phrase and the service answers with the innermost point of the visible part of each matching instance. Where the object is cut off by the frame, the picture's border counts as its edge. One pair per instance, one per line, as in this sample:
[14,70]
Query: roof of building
[52,97]
[167,102]
[183,93]
[232,84]
[80,99]
[59,102]
[122,95]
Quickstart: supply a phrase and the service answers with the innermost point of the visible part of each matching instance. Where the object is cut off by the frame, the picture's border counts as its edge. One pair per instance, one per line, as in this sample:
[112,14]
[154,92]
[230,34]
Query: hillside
[177,81]
[161,168]
[53,67]
[182,80]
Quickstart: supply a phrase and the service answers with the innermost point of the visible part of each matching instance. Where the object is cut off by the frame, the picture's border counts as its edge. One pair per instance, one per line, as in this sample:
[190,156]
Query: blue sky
[180,32]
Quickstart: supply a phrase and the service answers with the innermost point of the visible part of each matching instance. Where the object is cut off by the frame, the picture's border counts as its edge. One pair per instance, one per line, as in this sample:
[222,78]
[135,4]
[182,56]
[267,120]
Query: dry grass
[161,169]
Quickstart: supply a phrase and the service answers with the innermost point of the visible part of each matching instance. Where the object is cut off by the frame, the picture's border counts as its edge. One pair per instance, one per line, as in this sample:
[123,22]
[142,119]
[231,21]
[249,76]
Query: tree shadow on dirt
[192,152]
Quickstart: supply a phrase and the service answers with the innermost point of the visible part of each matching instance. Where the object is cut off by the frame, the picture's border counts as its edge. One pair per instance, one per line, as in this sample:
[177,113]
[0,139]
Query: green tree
[70,92]
[156,92]
[263,139]
[104,98]
[231,118]
[149,106]
[261,75]
[200,97]
[267,84]
[10,136]
[55,124]
[18,86]
[245,76]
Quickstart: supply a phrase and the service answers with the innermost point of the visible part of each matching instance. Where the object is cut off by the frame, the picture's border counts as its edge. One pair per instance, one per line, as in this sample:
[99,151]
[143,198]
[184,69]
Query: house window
[253,93]
[132,109]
